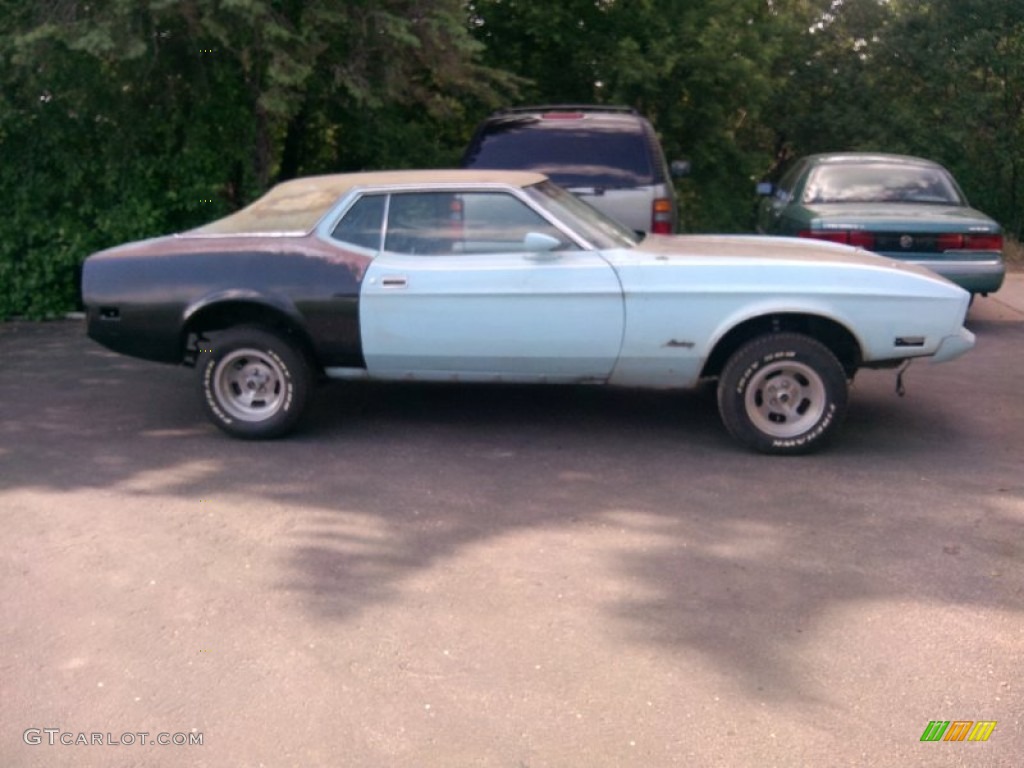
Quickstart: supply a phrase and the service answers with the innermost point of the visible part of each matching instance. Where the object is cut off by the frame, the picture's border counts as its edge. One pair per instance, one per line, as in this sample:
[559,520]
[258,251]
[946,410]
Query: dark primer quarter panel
[140,295]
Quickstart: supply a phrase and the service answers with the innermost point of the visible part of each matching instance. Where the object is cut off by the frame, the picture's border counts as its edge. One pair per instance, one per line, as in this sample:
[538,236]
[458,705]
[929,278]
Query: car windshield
[881,183]
[573,153]
[600,230]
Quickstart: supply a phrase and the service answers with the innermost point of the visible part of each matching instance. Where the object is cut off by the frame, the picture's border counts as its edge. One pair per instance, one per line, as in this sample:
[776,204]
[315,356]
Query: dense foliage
[122,119]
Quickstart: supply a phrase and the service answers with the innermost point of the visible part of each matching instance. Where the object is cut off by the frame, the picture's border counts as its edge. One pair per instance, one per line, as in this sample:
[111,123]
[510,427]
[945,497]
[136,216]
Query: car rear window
[582,152]
[881,183]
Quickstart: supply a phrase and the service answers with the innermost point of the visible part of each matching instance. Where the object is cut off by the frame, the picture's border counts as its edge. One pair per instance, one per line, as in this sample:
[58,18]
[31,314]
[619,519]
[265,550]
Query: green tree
[939,78]
[702,70]
[964,106]
[126,118]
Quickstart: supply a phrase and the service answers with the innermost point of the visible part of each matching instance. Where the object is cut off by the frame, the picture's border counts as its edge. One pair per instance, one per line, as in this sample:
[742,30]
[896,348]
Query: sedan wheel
[254,383]
[784,394]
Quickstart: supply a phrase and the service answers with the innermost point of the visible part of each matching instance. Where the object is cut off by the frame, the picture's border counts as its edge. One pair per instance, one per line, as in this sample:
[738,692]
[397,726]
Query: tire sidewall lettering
[741,385]
[817,431]
[287,383]
[211,398]
[209,390]
[751,361]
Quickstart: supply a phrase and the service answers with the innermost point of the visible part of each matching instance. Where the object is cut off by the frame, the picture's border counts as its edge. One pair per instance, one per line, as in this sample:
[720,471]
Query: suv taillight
[855,237]
[661,216]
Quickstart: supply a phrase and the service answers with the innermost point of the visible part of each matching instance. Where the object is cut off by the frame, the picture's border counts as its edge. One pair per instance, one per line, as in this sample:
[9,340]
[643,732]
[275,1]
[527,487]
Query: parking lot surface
[510,577]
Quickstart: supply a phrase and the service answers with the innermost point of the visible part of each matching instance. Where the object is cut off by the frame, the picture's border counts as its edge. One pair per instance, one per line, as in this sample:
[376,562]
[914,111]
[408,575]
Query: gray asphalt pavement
[509,577]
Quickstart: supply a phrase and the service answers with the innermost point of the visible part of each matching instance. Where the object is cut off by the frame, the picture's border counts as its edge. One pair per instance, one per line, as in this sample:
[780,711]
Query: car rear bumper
[150,334]
[975,276]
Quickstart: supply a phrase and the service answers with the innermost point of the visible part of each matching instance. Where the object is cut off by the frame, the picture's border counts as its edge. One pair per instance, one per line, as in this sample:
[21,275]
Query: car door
[477,285]
[773,209]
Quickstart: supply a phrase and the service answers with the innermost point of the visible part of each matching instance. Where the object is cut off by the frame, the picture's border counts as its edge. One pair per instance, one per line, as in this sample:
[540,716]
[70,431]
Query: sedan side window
[361,225]
[784,189]
[434,223]
[425,223]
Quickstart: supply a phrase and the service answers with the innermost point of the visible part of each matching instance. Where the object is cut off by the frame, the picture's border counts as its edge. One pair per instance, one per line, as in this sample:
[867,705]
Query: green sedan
[906,208]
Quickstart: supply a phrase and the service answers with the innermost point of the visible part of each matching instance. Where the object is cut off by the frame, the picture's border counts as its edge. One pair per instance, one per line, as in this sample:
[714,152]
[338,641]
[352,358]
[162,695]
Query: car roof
[853,158]
[295,206]
[599,109]
[555,120]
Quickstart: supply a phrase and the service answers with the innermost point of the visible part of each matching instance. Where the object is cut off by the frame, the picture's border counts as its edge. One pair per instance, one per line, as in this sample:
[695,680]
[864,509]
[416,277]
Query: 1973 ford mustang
[496,276]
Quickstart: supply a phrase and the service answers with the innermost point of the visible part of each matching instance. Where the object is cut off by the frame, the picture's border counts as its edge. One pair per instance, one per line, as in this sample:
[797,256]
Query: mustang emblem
[906,242]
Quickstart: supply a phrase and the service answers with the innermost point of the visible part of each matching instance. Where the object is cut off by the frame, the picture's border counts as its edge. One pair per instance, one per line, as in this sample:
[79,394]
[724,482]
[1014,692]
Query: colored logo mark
[958,730]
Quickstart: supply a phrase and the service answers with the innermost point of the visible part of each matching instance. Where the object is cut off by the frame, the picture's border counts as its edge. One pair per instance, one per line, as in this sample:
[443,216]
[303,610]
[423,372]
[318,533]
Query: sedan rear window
[881,183]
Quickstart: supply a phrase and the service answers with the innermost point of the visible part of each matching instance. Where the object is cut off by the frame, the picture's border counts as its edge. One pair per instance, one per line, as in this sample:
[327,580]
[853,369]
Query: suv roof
[545,108]
[576,145]
[608,155]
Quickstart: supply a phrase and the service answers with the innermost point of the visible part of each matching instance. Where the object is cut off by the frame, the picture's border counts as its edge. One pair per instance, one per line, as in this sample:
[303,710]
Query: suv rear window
[573,152]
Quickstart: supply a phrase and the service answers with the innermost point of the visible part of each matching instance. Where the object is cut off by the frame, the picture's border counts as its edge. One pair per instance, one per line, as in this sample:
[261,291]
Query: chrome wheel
[255,383]
[785,399]
[783,393]
[250,385]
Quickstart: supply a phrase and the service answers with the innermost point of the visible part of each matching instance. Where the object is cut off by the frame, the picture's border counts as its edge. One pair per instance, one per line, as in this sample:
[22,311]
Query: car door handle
[394,281]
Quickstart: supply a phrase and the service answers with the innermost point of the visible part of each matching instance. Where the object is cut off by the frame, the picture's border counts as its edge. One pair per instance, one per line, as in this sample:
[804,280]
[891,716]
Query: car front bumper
[953,346]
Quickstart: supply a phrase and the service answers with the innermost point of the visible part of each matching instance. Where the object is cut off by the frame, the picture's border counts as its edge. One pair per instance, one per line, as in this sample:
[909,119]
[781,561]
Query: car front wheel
[784,393]
[254,384]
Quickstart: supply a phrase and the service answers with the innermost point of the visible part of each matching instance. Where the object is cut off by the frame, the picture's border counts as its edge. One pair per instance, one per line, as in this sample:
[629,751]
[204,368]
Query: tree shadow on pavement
[744,553]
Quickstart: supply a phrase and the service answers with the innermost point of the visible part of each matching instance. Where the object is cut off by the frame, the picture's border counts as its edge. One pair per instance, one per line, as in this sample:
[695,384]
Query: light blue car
[501,276]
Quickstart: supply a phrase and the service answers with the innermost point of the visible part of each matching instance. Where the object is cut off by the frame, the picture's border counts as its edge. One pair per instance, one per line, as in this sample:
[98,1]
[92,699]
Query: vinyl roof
[296,206]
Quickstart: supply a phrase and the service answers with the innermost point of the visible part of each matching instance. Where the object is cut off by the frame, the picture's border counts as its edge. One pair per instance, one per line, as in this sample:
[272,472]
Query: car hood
[758,249]
[917,216]
[754,247]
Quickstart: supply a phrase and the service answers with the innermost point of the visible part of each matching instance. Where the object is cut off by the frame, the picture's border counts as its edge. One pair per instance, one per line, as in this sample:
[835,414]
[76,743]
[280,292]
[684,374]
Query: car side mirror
[765,189]
[538,242]
[680,168]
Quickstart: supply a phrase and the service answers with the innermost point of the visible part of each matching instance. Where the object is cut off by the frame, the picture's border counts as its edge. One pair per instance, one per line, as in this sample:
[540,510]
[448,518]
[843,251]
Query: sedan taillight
[855,237]
[986,242]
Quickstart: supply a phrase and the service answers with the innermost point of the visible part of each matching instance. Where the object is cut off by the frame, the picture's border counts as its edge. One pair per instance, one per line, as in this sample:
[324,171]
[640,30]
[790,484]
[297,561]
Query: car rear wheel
[254,383]
[783,394]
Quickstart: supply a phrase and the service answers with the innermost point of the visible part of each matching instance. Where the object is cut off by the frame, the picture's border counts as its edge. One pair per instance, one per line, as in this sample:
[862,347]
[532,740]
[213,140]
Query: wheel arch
[839,339]
[223,311]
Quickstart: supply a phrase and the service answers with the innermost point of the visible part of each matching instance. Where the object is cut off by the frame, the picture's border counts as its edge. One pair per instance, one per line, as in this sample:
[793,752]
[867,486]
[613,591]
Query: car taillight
[861,239]
[987,242]
[456,218]
[661,216]
[855,237]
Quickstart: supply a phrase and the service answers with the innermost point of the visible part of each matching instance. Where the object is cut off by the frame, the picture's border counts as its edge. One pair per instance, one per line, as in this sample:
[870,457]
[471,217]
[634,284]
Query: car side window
[362,223]
[786,186]
[434,223]
[424,223]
